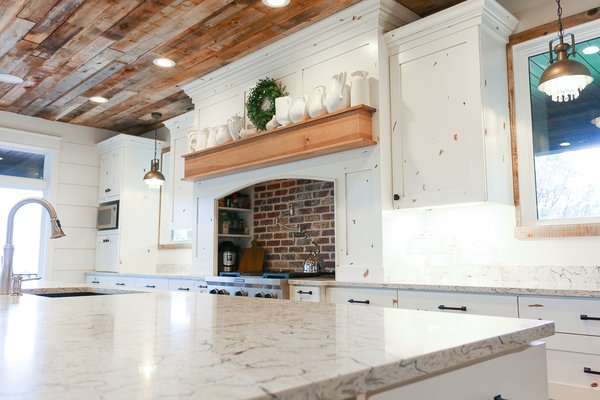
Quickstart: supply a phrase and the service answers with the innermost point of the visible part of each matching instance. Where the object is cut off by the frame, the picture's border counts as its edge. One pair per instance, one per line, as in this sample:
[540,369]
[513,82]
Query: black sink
[70,294]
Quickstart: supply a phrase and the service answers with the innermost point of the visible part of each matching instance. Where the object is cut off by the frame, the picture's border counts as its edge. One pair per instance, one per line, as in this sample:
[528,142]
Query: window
[557,144]
[22,175]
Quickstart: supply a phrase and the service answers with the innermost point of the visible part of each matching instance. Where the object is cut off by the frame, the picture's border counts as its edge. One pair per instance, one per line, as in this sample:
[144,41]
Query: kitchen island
[185,345]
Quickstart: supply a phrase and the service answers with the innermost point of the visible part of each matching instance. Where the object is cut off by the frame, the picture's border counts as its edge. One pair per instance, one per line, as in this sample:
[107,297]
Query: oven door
[108,216]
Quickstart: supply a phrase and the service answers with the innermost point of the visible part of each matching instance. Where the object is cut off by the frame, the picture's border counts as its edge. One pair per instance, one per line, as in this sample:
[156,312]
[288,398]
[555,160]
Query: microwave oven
[108,216]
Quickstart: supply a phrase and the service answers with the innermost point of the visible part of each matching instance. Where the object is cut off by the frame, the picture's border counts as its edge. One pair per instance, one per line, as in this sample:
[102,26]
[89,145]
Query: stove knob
[241,293]
[223,291]
[271,296]
[213,291]
[259,295]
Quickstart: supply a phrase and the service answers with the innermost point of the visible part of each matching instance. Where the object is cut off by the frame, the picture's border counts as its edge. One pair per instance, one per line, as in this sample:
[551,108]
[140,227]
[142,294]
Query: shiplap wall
[73,190]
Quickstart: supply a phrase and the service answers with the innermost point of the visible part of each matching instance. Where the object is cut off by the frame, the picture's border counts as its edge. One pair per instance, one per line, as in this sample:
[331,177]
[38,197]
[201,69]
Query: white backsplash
[183,269]
[475,245]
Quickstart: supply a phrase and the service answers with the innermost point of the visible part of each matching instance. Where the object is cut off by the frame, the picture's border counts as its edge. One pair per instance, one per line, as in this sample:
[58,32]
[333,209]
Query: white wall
[531,13]
[74,192]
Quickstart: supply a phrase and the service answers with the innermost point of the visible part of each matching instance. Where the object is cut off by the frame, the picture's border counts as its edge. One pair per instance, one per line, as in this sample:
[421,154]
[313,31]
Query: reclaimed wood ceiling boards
[70,50]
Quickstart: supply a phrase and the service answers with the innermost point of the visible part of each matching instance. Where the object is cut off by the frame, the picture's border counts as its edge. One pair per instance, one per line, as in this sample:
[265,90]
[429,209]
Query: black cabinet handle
[302,292]
[586,318]
[499,397]
[588,370]
[359,301]
[150,286]
[183,288]
[461,308]
[106,190]
[95,281]
[202,287]
[119,284]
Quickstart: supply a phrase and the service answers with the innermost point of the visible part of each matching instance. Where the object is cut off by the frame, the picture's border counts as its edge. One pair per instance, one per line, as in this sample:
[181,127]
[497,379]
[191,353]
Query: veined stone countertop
[517,289]
[191,345]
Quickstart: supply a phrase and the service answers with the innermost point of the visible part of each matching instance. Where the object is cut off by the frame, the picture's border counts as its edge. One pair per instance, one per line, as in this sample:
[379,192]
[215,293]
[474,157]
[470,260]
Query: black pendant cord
[561,31]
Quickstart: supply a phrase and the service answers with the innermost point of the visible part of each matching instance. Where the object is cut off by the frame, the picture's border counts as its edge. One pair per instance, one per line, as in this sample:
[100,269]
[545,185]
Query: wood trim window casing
[546,231]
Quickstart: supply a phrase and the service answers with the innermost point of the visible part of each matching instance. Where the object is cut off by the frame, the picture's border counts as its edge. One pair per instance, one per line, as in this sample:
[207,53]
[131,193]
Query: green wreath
[261,102]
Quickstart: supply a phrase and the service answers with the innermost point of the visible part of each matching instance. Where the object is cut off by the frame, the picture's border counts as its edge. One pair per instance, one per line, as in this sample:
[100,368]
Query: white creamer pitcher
[338,93]
[359,92]
[316,103]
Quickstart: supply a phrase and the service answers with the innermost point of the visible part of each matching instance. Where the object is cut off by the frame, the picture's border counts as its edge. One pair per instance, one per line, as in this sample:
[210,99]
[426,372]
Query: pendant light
[153,178]
[564,78]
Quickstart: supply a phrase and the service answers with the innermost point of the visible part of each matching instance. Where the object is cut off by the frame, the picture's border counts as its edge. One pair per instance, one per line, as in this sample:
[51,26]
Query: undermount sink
[76,292]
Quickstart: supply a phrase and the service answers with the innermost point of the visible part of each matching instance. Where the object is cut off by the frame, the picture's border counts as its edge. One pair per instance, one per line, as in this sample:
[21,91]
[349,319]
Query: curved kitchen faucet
[6,275]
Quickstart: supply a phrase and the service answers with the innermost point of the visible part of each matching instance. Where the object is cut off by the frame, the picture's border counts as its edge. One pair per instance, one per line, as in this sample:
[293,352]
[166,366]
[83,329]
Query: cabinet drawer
[98,280]
[467,303]
[152,283]
[363,297]
[567,313]
[567,368]
[187,285]
[574,343]
[121,281]
[305,293]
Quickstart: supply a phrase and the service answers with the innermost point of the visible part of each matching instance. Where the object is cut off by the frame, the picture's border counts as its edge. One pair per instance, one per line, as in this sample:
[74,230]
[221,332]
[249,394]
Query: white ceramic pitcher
[298,109]
[316,104]
[234,124]
[282,110]
[338,93]
[359,92]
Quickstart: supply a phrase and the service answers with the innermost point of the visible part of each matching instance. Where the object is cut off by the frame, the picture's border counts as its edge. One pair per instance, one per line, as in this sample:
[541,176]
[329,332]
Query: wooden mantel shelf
[347,129]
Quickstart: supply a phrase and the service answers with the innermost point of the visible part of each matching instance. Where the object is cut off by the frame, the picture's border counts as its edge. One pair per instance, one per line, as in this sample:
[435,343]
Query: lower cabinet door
[362,296]
[514,376]
[187,285]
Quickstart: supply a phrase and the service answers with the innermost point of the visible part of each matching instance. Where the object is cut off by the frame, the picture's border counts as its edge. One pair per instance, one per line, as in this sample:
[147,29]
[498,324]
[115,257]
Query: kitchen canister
[298,108]
[282,110]
[316,102]
[338,93]
[359,91]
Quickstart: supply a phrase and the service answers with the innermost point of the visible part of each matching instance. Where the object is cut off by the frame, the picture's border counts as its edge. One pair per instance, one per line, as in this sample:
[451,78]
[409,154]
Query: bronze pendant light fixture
[564,78]
[153,178]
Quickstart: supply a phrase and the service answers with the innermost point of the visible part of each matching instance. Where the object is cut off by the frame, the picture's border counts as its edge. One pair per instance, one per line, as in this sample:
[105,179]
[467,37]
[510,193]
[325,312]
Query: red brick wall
[314,208]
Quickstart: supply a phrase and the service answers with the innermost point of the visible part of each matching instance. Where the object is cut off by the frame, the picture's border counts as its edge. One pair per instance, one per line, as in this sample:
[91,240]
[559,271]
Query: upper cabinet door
[111,172]
[449,108]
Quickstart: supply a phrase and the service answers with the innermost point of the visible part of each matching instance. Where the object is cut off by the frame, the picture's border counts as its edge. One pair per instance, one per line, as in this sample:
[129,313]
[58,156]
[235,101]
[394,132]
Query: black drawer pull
[95,281]
[586,318]
[183,288]
[150,286]
[119,284]
[588,370]
[499,397]
[461,308]
[302,292]
[106,190]
[359,301]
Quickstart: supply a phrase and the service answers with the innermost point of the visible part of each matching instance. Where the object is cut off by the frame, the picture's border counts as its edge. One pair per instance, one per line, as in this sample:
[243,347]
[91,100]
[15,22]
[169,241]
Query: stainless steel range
[249,286]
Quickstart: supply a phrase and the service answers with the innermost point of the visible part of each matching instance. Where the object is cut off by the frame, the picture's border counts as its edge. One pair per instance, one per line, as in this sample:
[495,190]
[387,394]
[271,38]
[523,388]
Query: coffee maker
[229,256]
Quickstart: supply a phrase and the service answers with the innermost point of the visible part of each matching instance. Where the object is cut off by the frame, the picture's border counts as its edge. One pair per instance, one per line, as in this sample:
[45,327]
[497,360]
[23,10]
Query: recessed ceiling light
[1,158]
[565,144]
[591,50]
[596,121]
[276,3]
[163,62]
[8,78]
[98,99]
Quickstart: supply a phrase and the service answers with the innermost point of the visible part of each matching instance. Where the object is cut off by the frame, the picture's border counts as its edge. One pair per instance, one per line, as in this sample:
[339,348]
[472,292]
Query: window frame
[49,146]
[519,49]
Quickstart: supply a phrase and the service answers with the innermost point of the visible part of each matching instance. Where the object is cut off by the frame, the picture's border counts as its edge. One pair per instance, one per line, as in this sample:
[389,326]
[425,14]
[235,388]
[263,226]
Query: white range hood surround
[348,41]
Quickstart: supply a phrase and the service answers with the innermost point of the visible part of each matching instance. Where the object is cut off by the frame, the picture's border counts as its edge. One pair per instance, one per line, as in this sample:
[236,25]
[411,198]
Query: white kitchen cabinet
[97,280]
[111,172]
[152,283]
[574,352]
[107,252]
[124,161]
[363,296]
[180,192]
[464,303]
[517,375]
[305,293]
[188,285]
[449,107]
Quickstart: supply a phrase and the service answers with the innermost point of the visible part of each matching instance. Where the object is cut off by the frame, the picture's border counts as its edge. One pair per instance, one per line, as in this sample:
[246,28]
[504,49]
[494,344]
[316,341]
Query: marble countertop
[516,288]
[190,345]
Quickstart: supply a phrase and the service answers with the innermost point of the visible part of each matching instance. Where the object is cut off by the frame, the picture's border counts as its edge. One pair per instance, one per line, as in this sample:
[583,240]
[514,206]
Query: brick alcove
[314,212]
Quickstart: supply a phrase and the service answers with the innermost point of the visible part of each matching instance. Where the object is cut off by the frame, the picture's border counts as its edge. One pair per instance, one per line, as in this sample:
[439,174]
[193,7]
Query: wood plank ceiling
[70,50]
